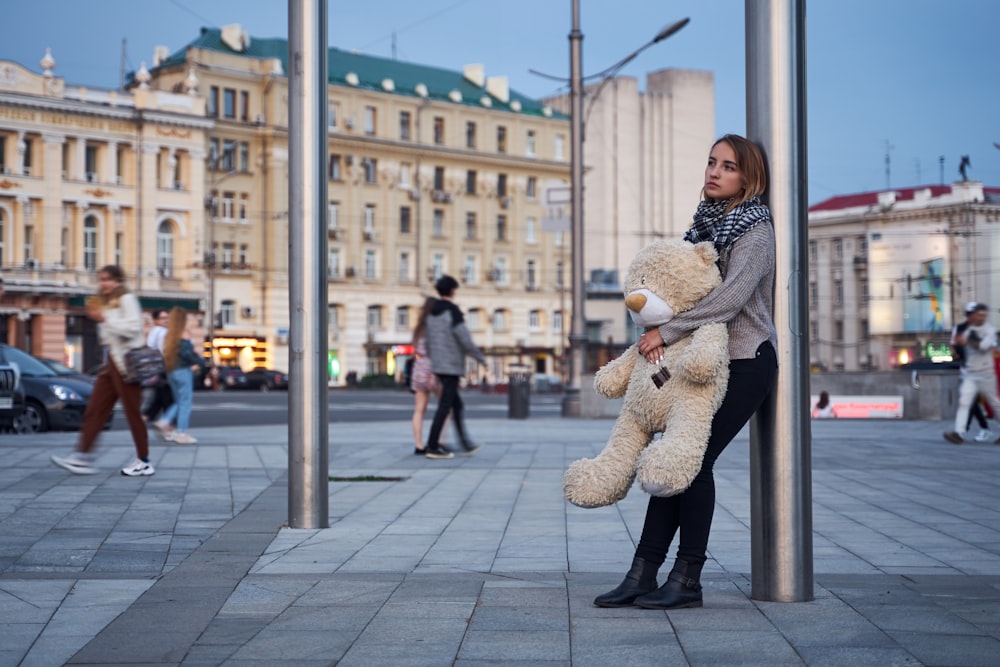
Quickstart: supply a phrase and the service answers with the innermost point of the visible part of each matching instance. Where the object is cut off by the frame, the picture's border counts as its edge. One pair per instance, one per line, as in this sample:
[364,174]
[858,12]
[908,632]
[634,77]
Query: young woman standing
[733,217]
[181,360]
[424,382]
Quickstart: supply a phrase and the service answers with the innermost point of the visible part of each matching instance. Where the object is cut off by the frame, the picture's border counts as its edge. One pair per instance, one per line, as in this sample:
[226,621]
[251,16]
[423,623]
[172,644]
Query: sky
[892,85]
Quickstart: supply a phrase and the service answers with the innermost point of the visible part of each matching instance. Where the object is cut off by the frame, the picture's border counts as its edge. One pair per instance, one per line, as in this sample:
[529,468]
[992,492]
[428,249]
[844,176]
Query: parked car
[265,379]
[62,370]
[11,396]
[52,402]
[230,377]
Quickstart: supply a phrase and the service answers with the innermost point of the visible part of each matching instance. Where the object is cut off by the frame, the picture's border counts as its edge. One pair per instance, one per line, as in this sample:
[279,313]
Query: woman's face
[106,284]
[723,179]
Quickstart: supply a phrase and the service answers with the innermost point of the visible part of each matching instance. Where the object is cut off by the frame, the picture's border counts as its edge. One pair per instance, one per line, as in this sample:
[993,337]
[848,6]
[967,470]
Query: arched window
[165,249]
[90,243]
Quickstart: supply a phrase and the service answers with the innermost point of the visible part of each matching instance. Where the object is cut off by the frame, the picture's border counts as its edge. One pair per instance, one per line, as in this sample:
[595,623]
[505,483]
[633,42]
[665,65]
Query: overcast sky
[913,80]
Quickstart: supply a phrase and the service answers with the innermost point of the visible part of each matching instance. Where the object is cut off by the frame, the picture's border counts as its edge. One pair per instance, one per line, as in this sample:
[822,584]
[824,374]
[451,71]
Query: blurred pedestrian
[824,407]
[162,396]
[448,343]
[976,411]
[181,361]
[120,329]
[978,373]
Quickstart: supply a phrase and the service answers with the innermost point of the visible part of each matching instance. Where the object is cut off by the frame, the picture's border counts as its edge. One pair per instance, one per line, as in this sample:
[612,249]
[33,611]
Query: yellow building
[89,178]
[430,171]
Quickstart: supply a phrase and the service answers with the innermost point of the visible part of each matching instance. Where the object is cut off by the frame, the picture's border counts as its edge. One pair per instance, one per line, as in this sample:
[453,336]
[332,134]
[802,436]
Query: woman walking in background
[162,396]
[423,382]
[181,360]
[120,329]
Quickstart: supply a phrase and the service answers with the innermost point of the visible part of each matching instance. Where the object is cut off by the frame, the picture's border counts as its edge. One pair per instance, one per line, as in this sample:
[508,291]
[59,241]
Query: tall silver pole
[308,411]
[577,336]
[780,436]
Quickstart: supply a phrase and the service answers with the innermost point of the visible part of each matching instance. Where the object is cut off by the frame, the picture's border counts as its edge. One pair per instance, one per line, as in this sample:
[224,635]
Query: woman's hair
[158,312]
[175,332]
[824,400]
[115,273]
[752,165]
[425,311]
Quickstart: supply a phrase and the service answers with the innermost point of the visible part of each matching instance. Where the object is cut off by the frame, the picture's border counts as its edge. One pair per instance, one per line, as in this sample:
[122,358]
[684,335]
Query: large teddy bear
[665,278]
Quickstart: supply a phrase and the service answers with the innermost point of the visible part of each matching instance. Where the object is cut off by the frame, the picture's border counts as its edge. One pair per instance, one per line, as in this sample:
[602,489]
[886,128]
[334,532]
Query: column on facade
[111,163]
[143,235]
[74,250]
[49,224]
[80,162]
[22,148]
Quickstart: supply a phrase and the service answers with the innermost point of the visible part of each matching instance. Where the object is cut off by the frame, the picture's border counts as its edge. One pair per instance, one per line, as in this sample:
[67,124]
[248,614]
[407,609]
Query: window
[28,145]
[535,320]
[227,312]
[374,317]
[531,189]
[470,182]
[370,120]
[560,142]
[529,231]
[369,165]
[404,175]
[3,237]
[333,171]
[333,216]
[228,203]
[437,265]
[228,155]
[814,330]
[437,226]
[439,178]
[244,257]
[3,155]
[812,251]
[403,317]
[470,135]
[557,321]
[469,276]
[838,330]
[165,249]
[470,226]
[119,244]
[530,276]
[403,268]
[229,103]
[244,106]
[244,200]
[501,228]
[530,144]
[838,292]
[501,139]
[120,166]
[404,220]
[244,156]
[501,270]
[838,249]
[228,250]
[404,125]
[369,222]
[212,103]
[370,266]
[501,185]
[499,320]
[813,295]
[90,163]
[333,316]
[474,319]
[89,243]
[213,153]
[560,267]
[332,113]
[333,265]
[438,130]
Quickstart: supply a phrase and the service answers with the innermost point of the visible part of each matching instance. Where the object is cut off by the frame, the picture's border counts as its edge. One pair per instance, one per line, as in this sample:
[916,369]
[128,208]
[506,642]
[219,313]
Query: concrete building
[89,178]
[644,156]
[890,272]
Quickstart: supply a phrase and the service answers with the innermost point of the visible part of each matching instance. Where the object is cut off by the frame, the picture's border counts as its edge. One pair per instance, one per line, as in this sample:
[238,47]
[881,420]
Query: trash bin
[518,393]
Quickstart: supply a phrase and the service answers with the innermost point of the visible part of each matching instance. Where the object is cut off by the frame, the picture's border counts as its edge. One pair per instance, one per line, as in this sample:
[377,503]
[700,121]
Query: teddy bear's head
[668,277]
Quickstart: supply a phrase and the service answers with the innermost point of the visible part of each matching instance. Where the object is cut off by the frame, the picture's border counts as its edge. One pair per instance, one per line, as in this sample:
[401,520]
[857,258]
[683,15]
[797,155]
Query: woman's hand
[95,313]
[651,346]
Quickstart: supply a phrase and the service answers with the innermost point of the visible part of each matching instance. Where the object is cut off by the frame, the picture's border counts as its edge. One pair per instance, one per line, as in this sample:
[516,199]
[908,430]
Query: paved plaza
[479,560]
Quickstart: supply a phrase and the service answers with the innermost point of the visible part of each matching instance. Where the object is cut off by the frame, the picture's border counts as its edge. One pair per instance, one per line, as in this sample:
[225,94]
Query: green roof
[371,71]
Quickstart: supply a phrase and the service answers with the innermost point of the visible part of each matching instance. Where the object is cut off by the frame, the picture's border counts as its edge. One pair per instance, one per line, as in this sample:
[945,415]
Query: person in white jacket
[979,376]
[120,329]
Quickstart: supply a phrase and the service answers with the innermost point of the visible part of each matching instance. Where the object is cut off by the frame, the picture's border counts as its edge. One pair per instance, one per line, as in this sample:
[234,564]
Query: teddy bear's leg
[670,465]
[606,479]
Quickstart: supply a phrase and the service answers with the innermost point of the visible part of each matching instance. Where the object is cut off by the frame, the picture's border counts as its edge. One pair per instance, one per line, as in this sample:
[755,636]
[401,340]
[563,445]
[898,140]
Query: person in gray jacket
[448,343]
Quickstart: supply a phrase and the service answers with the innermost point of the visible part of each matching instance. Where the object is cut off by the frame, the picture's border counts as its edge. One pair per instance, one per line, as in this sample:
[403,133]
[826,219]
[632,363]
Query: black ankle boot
[640,579]
[680,591]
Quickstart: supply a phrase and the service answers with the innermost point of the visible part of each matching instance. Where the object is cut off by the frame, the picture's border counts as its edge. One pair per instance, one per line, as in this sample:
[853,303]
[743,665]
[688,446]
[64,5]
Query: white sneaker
[182,438]
[138,468]
[985,435]
[162,429]
[76,463]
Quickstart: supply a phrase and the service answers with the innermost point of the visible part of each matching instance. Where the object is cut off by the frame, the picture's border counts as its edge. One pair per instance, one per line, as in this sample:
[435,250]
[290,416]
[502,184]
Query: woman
[824,408]
[120,329]
[181,360]
[731,216]
[162,397]
[423,382]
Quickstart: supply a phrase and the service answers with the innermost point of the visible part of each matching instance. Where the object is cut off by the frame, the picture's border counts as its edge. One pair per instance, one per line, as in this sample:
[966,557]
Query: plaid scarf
[712,223]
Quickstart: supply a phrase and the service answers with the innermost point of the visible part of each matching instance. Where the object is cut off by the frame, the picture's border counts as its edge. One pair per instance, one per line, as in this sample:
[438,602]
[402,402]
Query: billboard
[909,283]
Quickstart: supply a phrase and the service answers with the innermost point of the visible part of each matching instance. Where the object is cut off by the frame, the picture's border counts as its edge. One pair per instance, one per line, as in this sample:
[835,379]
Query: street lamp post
[578,335]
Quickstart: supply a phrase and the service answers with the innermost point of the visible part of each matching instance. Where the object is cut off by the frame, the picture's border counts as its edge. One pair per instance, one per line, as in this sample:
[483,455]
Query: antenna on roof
[941,166]
[393,44]
[888,165]
[121,68]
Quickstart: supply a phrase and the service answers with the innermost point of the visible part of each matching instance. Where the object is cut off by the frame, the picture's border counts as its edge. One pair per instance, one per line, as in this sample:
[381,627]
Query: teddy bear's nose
[635,302]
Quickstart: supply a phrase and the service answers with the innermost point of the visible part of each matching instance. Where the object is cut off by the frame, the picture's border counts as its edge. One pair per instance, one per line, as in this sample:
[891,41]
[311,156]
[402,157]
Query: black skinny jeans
[750,382]
[451,402]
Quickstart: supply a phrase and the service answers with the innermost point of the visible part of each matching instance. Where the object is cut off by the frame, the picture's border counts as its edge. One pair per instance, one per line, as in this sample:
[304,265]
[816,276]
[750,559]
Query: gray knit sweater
[744,300]
[449,340]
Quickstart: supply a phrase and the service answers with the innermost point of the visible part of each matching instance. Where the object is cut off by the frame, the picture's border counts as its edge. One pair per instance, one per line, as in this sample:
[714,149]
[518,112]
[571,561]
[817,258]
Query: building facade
[890,272]
[89,178]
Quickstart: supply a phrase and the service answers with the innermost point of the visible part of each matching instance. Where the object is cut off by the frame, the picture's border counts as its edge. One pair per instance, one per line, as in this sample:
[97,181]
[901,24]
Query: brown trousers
[109,387]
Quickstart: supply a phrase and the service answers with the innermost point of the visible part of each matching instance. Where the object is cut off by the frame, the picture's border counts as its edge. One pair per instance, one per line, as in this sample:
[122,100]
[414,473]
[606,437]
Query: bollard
[518,394]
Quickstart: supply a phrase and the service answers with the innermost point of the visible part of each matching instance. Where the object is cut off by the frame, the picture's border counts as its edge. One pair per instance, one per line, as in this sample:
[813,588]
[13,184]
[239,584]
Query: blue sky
[911,79]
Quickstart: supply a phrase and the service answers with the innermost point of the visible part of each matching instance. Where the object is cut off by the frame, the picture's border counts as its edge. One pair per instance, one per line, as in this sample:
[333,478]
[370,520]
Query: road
[249,408]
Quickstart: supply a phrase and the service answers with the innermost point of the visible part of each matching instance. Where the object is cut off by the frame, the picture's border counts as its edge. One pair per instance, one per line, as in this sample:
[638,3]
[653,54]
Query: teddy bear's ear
[706,250]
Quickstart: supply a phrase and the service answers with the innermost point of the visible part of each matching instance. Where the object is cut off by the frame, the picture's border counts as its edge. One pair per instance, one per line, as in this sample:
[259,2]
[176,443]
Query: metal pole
[780,435]
[577,336]
[308,411]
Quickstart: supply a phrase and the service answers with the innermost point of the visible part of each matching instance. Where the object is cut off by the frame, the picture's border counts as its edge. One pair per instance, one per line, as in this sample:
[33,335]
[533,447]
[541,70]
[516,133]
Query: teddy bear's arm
[706,354]
[612,379]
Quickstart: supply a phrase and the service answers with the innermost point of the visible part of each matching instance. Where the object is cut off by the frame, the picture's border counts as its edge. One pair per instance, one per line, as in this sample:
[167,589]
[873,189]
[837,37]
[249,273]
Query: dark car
[52,402]
[11,396]
[229,377]
[62,370]
[265,379]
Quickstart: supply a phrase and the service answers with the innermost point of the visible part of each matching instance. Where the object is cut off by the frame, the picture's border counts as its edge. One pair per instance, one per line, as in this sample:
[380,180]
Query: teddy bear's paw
[661,489]
[587,485]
